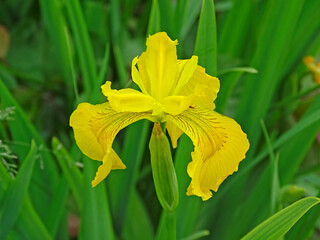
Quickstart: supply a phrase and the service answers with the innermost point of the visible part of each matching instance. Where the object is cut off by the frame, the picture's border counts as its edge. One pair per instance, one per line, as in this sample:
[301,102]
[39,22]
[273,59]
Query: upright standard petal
[161,60]
[220,145]
[136,77]
[127,100]
[142,68]
[185,70]
[95,127]
[206,87]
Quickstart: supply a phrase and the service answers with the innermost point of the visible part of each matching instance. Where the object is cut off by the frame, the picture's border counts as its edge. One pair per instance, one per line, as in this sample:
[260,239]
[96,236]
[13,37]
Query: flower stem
[170,221]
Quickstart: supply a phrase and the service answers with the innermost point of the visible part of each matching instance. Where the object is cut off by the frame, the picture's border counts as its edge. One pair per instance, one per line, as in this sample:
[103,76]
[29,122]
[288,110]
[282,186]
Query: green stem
[170,221]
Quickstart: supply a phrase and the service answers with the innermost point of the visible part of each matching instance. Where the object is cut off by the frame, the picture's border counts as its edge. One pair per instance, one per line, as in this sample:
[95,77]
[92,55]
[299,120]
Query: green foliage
[60,53]
[279,224]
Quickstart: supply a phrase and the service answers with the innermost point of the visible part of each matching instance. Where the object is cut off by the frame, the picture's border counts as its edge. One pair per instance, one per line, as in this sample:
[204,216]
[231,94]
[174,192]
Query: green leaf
[166,13]
[197,235]
[122,184]
[58,31]
[274,160]
[186,14]
[136,208]
[22,131]
[267,59]
[17,192]
[70,170]
[154,19]
[238,69]
[57,207]
[83,45]
[279,224]
[206,43]
[96,221]
[28,221]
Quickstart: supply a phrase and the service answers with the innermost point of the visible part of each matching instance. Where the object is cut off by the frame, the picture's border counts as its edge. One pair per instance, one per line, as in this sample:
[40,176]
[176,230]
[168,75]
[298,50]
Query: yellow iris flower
[313,67]
[177,92]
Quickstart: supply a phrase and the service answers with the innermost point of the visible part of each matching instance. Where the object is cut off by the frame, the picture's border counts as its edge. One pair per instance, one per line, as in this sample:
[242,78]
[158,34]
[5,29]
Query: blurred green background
[55,54]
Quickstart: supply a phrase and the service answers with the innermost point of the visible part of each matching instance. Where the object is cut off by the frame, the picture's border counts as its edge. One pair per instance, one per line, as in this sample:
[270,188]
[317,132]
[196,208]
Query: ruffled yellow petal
[127,100]
[110,161]
[95,127]
[220,145]
[161,60]
[209,87]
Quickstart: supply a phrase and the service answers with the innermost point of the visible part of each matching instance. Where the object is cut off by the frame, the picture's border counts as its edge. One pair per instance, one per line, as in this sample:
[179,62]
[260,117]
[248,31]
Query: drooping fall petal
[220,145]
[110,162]
[95,127]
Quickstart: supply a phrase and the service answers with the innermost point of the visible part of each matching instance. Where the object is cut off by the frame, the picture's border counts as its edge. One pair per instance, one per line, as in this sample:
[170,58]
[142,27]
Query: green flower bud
[291,193]
[163,171]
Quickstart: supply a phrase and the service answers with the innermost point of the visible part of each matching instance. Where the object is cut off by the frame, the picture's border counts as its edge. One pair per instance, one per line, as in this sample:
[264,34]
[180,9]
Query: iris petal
[127,100]
[136,77]
[220,145]
[174,133]
[185,70]
[209,87]
[95,127]
[110,161]
[161,60]
[177,104]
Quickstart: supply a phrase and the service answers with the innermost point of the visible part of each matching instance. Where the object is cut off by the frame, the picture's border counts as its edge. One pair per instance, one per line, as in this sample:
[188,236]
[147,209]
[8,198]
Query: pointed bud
[163,171]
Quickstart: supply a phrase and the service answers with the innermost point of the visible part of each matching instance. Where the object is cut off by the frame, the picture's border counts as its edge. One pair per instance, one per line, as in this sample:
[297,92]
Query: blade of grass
[70,171]
[238,69]
[17,193]
[166,13]
[154,19]
[274,159]
[58,31]
[184,17]
[261,87]
[235,27]
[197,235]
[306,226]
[206,42]
[83,45]
[57,208]
[296,148]
[116,28]
[28,219]
[22,131]
[143,230]
[124,183]
[279,224]
[96,219]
